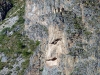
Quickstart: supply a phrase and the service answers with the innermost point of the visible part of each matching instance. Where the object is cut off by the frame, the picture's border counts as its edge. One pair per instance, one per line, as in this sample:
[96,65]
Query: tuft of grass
[27,53]
[21,20]
[77,26]
[2,64]
[87,33]
[78,23]
[24,66]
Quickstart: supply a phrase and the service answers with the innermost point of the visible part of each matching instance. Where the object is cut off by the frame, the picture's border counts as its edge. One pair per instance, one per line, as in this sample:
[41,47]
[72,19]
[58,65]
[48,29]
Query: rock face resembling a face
[69,42]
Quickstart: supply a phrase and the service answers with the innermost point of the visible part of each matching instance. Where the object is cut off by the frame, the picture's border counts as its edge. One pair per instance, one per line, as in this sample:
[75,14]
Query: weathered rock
[9,23]
[68,32]
[4,59]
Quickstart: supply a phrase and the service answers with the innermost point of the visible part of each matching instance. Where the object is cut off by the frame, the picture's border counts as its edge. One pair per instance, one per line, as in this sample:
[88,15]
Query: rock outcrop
[5,6]
[69,31]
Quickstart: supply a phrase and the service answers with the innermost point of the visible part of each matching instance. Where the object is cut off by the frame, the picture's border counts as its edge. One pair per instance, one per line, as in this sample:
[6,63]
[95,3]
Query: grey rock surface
[9,23]
[69,34]
[4,59]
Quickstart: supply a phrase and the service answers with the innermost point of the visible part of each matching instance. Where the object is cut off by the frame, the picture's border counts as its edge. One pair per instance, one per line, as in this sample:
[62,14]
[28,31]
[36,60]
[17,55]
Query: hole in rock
[58,9]
[56,40]
[53,59]
[62,9]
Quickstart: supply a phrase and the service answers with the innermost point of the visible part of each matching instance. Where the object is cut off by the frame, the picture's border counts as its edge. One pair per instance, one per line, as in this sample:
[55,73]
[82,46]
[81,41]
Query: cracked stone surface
[77,24]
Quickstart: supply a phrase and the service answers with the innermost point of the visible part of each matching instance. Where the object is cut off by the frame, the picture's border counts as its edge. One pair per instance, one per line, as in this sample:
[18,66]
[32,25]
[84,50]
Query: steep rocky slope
[69,31]
[15,47]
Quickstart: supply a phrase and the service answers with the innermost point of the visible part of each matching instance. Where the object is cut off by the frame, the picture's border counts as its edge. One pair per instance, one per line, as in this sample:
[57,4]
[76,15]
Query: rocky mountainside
[15,47]
[54,37]
[5,6]
[69,32]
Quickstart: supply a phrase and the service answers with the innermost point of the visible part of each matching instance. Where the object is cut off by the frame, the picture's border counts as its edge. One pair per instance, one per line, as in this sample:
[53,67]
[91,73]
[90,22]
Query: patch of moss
[17,68]
[90,2]
[16,43]
[24,67]
[87,33]
[77,26]
[78,23]
[2,65]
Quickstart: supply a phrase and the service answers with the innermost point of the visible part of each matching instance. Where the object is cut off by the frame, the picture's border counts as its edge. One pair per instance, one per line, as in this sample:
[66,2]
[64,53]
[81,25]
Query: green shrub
[77,26]
[21,20]
[37,43]
[2,64]
[10,66]
[26,53]
[17,68]
[25,64]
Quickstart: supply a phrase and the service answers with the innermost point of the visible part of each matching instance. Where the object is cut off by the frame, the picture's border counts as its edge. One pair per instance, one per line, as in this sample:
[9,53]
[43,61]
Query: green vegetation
[17,68]
[77,26]
[90,2]
[77,23]
[24,66]
[2,65]
[41,69]
[87,33]
[16,44]
[68,31]
[18,8]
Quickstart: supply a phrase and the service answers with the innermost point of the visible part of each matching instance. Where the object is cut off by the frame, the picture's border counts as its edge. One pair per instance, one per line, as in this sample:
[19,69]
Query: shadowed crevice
[56,40]
[5,6]
[53,59]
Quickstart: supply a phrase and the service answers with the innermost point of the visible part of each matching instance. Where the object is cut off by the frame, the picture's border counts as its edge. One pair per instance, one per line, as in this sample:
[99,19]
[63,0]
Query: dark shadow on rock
[5,6]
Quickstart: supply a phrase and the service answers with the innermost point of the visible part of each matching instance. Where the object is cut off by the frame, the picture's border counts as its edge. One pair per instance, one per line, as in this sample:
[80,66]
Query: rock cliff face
[5,6]
[69,32]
